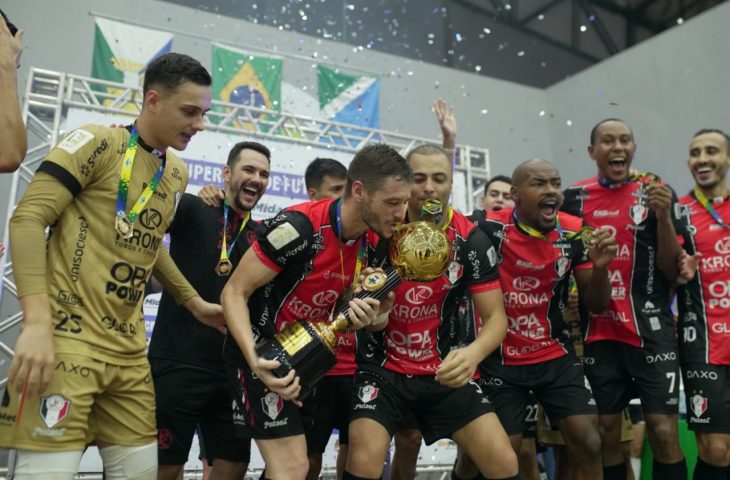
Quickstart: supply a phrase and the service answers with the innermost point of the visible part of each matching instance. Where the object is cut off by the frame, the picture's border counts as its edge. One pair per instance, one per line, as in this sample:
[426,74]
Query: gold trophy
[419,251]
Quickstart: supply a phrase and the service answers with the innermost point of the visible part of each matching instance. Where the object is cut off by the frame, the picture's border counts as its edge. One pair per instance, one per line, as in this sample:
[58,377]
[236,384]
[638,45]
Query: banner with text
[206,156]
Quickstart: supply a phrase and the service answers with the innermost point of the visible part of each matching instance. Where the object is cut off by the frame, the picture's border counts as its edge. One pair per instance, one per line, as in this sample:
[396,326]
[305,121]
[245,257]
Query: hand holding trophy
[419,251]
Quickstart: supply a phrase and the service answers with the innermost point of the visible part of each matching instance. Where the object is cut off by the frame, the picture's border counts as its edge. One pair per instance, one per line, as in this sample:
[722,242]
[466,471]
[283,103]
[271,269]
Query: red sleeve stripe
[484,287]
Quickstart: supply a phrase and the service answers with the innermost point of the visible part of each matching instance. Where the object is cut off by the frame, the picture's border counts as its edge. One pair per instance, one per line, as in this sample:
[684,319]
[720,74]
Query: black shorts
[407,422]
[189,396]
[619,372]
[559,385]
[328,407]
[707,393]
[258,412]
[531,418]
[386,397]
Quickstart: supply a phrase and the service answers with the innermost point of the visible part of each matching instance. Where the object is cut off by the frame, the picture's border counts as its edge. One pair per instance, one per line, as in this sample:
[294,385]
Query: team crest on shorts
[54,409]
[272,405]
[699,404]
[164,439]
[367,393]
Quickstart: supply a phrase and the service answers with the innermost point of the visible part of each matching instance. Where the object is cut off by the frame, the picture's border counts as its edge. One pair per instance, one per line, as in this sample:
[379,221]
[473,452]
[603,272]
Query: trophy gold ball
[419,251]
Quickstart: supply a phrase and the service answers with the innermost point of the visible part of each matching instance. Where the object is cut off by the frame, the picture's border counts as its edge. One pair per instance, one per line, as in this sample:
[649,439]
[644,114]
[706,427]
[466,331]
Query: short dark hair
[323,167]
[255,146]
[374,164]
[427,149]
[13,29]
[497,178]
[170,70]
[594,130]
[714,130]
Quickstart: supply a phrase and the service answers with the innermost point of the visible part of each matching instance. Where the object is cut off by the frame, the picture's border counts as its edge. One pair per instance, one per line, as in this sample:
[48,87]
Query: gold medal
[432,207]
[224,267]
[123,226]
[374,281]
[587,237]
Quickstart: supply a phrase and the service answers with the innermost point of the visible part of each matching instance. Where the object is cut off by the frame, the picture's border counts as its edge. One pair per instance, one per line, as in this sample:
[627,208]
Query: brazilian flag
[245,79]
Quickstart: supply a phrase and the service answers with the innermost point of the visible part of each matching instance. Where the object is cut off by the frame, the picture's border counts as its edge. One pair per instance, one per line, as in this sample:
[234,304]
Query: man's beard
[370,220]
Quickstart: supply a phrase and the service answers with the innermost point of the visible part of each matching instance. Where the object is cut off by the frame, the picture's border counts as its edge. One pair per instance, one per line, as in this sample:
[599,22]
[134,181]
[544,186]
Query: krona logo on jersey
[325,299]
[722,246]
[419,294]
[525,284]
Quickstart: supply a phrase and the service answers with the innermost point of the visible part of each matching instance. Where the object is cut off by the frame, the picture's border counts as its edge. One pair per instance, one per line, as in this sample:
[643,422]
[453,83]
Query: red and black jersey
[704,302]
[638,313]
[535,274]
[422,326]
[302,244]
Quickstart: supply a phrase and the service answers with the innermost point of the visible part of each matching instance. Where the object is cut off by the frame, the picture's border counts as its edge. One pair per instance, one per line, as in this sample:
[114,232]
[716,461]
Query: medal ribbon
[125,176]
[535,233]
[643,178]
[441,220]
[708,206]
[226,252]
[360,253]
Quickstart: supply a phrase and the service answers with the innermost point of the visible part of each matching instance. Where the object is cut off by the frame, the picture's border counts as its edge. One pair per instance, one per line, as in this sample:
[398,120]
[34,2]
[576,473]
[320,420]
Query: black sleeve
[494,231]
[572,202]
[183,213]
[379,254]
[679,214]
[480,258]
[477,215]
[285,237]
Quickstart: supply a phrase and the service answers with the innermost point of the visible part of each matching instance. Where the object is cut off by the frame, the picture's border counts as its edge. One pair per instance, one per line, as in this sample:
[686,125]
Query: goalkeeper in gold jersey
[80,373]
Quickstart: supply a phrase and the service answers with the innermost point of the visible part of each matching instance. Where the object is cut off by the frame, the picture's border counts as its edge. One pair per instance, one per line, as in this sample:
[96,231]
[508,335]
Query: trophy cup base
[301,348]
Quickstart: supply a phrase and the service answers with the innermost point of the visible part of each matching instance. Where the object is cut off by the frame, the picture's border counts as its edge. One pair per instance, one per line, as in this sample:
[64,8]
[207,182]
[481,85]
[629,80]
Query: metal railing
[49,95]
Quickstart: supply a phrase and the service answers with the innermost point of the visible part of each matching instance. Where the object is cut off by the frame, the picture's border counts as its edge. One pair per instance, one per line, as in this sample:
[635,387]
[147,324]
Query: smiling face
[709,160]
[537,194]
[246,181]
[613,150]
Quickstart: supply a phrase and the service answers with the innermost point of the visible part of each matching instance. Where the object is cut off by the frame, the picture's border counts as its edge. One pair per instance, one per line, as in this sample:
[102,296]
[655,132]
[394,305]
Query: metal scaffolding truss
[50,94]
